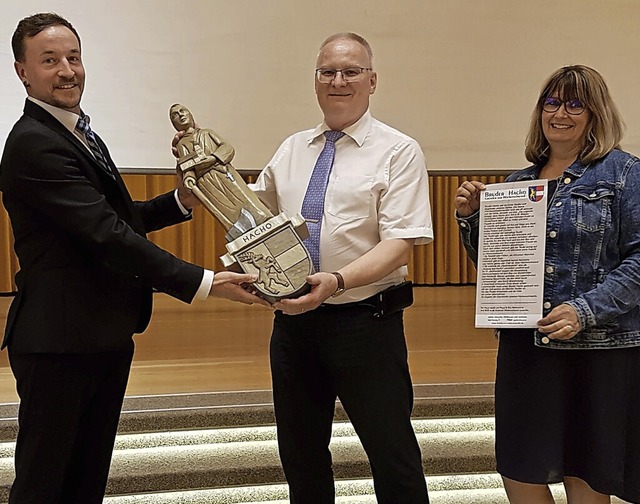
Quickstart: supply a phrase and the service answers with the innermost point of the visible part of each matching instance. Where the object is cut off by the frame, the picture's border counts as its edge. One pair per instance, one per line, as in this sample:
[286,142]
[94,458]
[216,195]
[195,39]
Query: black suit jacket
[86,268]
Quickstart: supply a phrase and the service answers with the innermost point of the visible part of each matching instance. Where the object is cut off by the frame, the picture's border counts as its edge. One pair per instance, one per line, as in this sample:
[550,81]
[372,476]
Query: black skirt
[568,413]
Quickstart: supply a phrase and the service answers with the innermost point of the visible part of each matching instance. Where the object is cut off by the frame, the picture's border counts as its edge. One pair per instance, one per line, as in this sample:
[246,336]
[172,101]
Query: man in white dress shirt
[345,338]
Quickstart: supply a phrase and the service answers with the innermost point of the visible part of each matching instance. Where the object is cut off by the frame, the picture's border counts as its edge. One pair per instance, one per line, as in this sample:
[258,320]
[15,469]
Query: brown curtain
[201,240]
[444,261]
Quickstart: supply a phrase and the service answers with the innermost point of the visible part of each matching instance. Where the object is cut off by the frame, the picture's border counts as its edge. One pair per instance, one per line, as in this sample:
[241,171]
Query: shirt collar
[358,130]
[67,118]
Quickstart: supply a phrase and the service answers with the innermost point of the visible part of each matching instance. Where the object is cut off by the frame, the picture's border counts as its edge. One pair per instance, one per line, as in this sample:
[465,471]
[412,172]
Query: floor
[217,345]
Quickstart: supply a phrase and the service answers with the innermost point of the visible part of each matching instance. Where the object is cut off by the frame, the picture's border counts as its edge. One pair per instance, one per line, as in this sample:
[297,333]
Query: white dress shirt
[378,190]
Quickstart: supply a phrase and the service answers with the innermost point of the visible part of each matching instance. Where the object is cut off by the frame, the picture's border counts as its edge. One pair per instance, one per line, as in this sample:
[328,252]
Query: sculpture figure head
[181,117]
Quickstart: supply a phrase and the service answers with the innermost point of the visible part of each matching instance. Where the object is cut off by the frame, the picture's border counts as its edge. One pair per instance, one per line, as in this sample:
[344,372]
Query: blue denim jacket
[592,250]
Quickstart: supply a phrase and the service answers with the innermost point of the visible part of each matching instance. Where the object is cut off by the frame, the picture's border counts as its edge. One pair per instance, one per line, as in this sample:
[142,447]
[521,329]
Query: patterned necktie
[313,204]
[83,127]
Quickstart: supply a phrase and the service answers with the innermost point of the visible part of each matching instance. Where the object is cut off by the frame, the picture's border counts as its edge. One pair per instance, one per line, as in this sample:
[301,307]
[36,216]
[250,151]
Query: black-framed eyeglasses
[572,106]
[351,74]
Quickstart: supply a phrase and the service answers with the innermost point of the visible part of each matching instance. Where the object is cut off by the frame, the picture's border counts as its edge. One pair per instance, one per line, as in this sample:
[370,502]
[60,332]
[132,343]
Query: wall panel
[201,240]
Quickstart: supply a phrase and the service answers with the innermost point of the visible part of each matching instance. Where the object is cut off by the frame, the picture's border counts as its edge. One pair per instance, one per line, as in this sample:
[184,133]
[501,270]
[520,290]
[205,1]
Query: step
[227,409]
[221,447]
[483,488]
[183,460]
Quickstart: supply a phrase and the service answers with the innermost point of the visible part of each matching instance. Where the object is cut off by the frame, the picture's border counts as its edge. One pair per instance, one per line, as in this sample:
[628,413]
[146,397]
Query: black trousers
[346,353]
[69,410]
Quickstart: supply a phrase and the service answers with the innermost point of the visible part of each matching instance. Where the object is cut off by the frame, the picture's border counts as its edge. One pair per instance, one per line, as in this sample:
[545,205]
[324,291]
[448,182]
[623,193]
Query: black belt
[391,300]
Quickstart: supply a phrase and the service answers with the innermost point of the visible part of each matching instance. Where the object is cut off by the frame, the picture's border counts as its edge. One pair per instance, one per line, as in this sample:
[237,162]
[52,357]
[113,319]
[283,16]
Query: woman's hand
[562,323]
[467,200]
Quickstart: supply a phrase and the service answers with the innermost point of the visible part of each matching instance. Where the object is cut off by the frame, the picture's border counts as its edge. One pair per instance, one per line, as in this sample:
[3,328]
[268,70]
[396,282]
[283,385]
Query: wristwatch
[340,290]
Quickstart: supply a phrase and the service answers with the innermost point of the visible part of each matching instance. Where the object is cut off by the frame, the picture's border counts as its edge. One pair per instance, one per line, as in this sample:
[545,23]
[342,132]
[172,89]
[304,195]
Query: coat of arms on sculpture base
[274,251]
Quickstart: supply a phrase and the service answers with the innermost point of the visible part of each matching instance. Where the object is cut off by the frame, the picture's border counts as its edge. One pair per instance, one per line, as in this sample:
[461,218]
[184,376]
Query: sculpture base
[275,253]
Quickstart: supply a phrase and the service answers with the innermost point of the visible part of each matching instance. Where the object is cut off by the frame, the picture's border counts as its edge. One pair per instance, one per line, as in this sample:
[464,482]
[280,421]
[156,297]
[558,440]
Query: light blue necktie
[313,204]
[83,127]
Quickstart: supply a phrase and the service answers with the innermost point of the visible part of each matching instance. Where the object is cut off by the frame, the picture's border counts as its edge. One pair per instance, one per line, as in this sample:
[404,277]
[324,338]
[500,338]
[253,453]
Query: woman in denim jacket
[568,393]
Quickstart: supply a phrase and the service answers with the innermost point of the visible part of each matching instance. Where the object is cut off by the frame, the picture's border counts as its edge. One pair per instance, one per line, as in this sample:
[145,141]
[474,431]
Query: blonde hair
[606,127]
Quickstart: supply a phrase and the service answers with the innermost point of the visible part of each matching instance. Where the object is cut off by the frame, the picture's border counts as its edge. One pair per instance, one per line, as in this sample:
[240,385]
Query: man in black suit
[86,278]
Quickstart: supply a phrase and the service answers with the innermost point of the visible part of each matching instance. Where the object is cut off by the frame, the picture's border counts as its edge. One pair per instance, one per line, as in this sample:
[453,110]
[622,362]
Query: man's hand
[186,196]
[229,285]
[174,143]
[323,285]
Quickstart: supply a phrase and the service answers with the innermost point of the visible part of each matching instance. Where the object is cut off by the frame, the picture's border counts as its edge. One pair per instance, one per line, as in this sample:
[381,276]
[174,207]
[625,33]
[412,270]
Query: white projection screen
[461,76]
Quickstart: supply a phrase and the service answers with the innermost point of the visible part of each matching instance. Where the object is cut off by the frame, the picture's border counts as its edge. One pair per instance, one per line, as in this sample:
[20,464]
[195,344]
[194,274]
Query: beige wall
[459,75]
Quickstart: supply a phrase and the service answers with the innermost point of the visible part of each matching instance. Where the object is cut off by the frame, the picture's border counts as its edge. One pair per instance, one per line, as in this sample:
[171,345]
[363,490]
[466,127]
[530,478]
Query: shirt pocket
[591,208]
[350,197]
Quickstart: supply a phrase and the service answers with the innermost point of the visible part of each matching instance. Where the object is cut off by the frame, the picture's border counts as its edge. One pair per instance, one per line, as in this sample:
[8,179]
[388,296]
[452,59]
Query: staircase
[221,448]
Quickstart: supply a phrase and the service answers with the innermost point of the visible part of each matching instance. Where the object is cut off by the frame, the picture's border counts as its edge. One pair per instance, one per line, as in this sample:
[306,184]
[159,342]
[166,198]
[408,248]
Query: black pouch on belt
[394,299]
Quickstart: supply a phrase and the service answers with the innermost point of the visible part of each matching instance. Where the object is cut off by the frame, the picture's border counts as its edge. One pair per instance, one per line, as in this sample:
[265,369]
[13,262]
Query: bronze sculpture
[205,162]
[259,242]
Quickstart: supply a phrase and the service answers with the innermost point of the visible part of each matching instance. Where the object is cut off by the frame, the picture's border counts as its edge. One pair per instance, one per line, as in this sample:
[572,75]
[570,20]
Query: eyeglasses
[573,106]
[351,74]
